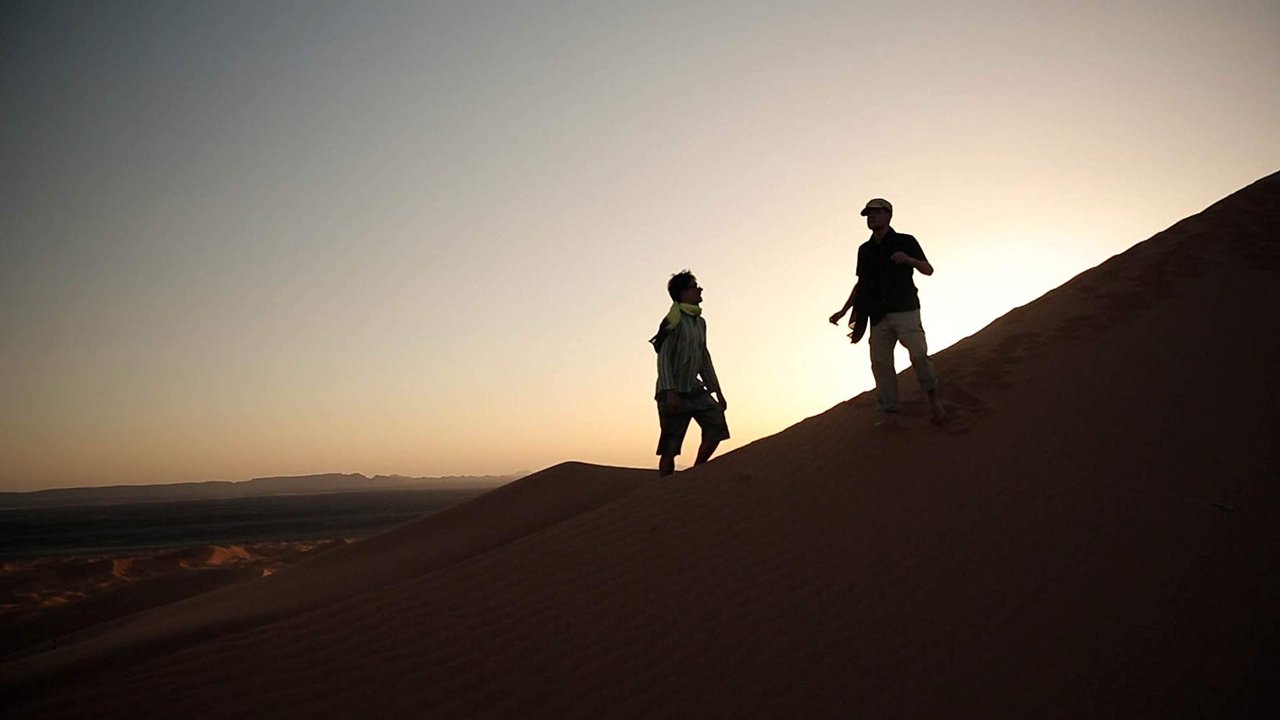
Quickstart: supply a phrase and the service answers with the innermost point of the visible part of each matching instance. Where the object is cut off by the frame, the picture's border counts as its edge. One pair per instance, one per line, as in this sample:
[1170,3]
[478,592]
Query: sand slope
[1096,535]
[46,598]
[410,550]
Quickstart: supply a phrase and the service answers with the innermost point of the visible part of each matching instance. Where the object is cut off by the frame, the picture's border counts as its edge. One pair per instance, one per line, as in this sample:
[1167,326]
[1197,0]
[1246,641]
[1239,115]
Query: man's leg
[911,332]
[705,450]
[882,341]
[666,465]
[714,427]
[672,427]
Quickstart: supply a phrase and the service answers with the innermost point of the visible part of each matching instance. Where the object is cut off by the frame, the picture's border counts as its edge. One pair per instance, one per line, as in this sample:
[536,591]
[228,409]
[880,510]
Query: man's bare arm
[847,304]
[922,265]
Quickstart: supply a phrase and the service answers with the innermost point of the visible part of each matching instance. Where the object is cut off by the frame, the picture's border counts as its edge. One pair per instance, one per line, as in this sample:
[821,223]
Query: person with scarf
[686,377]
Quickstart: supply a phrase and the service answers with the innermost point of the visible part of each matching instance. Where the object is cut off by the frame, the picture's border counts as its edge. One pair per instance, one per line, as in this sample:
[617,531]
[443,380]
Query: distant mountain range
[257,487]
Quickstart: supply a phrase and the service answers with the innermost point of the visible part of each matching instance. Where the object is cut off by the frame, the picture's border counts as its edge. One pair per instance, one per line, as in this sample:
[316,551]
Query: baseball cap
[877,203]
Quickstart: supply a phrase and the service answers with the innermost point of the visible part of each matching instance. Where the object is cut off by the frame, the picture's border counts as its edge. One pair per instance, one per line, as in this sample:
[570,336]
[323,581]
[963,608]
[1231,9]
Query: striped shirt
[684,357]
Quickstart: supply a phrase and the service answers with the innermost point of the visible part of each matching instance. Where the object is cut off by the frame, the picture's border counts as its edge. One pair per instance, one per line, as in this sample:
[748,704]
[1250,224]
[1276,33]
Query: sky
[244,239]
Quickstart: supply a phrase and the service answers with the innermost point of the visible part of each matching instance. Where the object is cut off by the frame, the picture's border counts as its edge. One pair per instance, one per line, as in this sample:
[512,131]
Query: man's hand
[724,404]
[902,258]
[835,319]
[673,401]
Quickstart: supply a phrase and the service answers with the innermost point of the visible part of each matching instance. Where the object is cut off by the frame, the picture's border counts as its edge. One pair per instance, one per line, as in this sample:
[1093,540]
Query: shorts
[698,406]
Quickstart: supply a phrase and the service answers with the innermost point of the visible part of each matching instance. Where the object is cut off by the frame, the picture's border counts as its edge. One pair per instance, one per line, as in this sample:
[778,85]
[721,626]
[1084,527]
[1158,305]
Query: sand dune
[413,549]
[44,599]
[1095,535]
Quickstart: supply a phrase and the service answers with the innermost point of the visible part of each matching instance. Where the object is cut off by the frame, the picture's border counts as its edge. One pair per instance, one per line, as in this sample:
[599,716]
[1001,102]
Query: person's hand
[724,404]
[673,401]
[835,319]
[901,258]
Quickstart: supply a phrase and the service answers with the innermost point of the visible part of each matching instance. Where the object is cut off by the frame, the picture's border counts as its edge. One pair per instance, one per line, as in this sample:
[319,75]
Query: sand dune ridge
[1093,536]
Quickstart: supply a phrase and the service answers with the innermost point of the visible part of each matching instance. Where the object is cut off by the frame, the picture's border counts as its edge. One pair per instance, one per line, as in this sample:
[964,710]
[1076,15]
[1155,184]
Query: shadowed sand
[44,599]
[1095,534]
[472,527]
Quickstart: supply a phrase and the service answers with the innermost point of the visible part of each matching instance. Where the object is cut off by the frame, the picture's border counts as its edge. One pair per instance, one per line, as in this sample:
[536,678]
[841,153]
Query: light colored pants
[898,327]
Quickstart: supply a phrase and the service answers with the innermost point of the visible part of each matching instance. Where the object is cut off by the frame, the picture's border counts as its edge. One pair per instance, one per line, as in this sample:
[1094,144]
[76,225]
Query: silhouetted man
[686,377]
[886,293]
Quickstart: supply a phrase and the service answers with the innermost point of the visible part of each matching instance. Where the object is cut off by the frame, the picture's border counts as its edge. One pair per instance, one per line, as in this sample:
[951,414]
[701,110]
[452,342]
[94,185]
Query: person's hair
[678,283]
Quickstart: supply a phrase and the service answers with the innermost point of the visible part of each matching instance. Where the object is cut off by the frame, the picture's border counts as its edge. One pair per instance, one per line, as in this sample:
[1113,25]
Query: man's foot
[939,414]
[886,419]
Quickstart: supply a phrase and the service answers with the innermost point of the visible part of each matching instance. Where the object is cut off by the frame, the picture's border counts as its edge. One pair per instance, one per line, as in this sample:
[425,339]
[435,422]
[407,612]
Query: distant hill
[257,487]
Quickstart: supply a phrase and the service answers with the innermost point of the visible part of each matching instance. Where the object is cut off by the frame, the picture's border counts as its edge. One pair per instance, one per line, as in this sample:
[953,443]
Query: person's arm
[847,304]
[853,294]
[915,258]
[667,373]
[707,371]
[904,259]
[710,379]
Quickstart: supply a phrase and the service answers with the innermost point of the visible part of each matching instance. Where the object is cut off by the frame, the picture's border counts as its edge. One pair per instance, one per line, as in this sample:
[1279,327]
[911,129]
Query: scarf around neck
[674,315]
[679,310]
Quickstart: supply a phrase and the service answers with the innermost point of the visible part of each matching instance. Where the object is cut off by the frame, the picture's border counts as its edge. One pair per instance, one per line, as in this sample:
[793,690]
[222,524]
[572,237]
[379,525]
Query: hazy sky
[257,238]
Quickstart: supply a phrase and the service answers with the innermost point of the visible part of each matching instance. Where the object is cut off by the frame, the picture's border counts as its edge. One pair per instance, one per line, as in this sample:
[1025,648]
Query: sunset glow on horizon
[255,239]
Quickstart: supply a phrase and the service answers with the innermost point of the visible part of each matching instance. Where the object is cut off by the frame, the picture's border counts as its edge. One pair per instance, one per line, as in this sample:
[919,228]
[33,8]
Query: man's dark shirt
[883,285]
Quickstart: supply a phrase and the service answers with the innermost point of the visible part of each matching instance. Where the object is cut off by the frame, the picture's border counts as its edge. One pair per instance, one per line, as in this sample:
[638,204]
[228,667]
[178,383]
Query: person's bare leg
[705,450]
[666,465]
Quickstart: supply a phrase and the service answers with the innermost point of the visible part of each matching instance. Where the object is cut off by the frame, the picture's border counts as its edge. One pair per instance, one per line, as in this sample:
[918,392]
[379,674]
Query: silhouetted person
[887,295]
[686,377]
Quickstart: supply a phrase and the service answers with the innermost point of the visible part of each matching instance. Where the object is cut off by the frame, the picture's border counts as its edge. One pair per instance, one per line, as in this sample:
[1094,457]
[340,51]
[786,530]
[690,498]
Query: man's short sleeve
[864,265]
